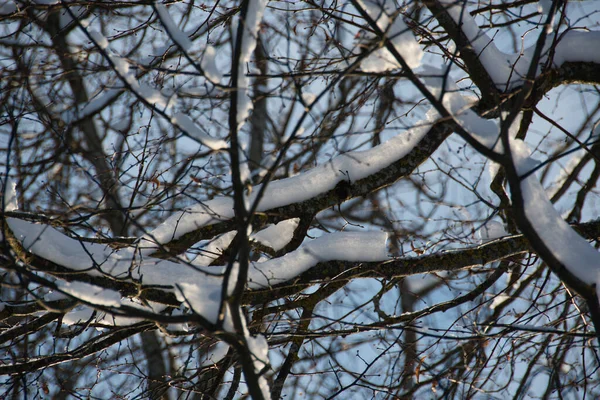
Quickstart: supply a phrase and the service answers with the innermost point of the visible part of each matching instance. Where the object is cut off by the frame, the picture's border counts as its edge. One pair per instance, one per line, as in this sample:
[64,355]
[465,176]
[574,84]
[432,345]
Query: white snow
[508,70]
[350,166]
[117,320]
[199,287]
[48,243]
[209,65]
[259,348]
[391,23]
[308,98]
[485,131]
[213,249]
[233,278]
[189,126]
[156,98]
[175,33]
[95,105]
[578,46]
[344,246]
[78,314]
[206,213]
[99,38]
[203,298]
[91,293]
[54,295]
[256,9]
[574,252]
[122,67]
[10,194]
[214,354]
[578,256]
[498,299]
[277,236]
[122,320]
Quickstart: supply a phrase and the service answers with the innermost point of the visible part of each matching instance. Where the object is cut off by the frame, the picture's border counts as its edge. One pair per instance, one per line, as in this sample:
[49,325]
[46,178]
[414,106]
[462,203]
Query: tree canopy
[359,199]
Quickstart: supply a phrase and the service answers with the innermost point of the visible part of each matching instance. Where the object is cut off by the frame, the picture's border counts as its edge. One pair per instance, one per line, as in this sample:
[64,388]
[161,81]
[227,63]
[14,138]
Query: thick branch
[380,179]
[490,96]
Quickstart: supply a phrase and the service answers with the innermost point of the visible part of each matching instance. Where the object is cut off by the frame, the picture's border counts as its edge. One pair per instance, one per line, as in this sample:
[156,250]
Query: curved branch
[490,95]
[301,209]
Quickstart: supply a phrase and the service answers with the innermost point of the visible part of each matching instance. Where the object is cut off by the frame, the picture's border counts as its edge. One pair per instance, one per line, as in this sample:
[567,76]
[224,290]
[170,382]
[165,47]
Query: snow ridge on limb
[277,236]
[573,251]
[198,287]
[209,65]
[259,350]
[91,293]
[390,21]
[570,249]
[485,131]
[349,167]
[179,37]
[154,98]
[508,71]
[251,25]
[342,246]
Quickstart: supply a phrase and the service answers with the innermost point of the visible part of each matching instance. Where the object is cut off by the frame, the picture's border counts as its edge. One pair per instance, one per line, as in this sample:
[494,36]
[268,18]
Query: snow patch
[91,293]
[204,297]
[256,9]
[180,38]
[498,299]
[574,252]
[508,70]
[343,246]
[277,236]
[185,123]
[390,21]
[213,249]
[209,65]
[77,315]
[351,166]
[156,98]
[9,198]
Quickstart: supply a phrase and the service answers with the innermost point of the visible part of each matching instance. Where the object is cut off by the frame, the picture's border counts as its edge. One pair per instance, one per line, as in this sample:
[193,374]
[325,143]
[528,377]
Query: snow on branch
[485,131]
[250,25]
[91,293]
[349,167]
[175,33]
[277,236]
[199,287]
[97,260]
[390,21]
[573,251]
[507,71]
[569,248]
[154,98]
[342,246]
